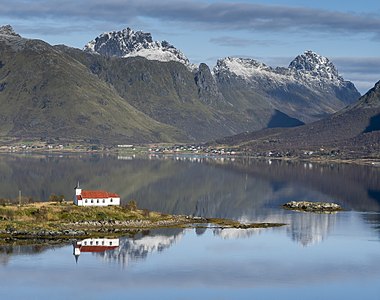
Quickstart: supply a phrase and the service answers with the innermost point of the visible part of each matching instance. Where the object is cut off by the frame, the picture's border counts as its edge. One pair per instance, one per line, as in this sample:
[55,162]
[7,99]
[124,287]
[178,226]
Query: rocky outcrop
[12,233]
[207,88]
[8,30]
[313,206]
[127,43]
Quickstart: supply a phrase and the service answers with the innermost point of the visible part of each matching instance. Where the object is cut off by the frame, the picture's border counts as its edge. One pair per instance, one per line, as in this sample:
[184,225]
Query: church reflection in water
[302,228]
[94,245]
[124,250]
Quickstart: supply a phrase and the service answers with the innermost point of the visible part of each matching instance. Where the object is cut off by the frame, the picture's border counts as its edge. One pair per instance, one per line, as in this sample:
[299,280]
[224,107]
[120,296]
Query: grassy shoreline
[54,220]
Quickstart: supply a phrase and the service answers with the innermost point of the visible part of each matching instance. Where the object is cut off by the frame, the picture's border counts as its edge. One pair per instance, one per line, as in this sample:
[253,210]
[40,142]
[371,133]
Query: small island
[320,207]
[64,220]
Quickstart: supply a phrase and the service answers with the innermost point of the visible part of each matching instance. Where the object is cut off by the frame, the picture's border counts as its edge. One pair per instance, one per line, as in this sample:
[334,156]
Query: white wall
[101,202]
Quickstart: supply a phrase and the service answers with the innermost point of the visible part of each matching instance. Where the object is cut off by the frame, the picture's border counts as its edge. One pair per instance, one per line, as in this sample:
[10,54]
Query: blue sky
[272,31]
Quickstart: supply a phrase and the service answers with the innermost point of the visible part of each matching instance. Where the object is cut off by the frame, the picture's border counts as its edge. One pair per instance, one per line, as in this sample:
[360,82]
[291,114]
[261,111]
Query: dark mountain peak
[371,99]
[316,65]
[127,43]
[8,30]
[207,88]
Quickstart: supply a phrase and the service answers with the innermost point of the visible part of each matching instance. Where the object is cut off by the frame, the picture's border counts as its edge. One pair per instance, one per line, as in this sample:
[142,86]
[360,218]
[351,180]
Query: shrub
[41,214]
[9,214]
[131,205]
[101,216]
[56,198]
[146,212]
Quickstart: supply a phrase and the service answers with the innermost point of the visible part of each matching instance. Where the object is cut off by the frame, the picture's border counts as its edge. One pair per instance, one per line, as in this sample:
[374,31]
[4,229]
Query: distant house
[95,198]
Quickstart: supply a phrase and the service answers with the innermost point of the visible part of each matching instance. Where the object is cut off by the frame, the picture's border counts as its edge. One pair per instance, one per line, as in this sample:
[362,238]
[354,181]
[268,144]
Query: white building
[95,198]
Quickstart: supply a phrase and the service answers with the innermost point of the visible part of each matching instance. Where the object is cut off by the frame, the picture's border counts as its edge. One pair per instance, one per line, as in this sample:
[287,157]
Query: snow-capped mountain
[249,70]
[316,65]
[309,66]
[243,67]
[308,89]
[128,43]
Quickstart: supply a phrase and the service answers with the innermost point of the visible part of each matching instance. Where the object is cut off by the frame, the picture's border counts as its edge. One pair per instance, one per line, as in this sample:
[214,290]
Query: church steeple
[78,190]
[76,250]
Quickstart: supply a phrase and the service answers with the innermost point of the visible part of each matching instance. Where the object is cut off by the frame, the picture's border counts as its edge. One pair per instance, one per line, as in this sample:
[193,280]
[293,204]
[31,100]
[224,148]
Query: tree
[56,198]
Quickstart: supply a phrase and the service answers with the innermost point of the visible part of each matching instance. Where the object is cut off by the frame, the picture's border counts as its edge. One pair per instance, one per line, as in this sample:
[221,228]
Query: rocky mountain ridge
[310,88]
[129,43]
[308,66]
[8,30]
[315,71]
[316,65]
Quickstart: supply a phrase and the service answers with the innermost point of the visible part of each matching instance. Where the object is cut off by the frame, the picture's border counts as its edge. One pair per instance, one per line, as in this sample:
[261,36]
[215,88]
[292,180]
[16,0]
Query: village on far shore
[59,147]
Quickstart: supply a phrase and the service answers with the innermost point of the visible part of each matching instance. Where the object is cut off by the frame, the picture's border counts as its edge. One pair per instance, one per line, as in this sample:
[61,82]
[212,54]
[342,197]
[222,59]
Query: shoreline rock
[324,207]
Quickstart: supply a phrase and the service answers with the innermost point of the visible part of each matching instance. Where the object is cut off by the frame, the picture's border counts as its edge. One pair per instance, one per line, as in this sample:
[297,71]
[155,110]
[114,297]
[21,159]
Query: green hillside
[165,91]
[354,129]
[46,93]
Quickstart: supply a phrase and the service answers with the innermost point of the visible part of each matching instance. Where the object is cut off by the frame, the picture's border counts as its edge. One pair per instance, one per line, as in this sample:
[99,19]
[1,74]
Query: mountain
[165,91]
[355,129]
[309,89]
[130,43]
[206,104]
[125,86]
[45,93]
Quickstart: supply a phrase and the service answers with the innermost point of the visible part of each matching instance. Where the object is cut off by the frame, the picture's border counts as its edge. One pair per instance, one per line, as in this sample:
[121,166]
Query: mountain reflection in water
[140,246]
[243,189]
[306,229]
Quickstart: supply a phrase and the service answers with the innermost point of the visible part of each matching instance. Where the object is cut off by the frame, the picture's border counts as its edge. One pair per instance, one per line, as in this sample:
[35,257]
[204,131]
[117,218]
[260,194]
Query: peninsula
[64,220]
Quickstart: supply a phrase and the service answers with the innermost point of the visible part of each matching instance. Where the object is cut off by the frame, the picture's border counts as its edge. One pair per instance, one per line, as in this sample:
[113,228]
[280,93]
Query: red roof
[96,248]
[97,194]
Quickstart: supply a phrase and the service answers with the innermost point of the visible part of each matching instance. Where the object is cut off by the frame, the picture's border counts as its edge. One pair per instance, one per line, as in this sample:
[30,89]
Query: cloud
[229,41]
[366,65]
[363,71]
[224,15]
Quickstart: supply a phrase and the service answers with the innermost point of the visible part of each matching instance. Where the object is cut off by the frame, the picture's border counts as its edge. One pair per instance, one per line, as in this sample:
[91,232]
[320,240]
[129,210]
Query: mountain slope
[45,93]
[165,91]
[310,88]
[170,93]
[355,127]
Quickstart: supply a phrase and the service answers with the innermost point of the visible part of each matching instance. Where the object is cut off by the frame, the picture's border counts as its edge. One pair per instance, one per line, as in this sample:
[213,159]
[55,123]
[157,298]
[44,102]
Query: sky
[271,31]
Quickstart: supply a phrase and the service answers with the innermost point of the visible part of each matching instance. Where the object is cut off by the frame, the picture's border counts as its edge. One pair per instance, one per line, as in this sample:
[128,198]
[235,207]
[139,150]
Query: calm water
[315,256]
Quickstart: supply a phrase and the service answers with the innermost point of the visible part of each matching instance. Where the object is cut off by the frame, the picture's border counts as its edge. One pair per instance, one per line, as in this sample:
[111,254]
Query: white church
[95,198]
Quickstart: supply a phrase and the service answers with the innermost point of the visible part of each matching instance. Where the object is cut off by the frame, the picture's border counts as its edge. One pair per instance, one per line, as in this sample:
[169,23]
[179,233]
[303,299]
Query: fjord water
[315,256]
